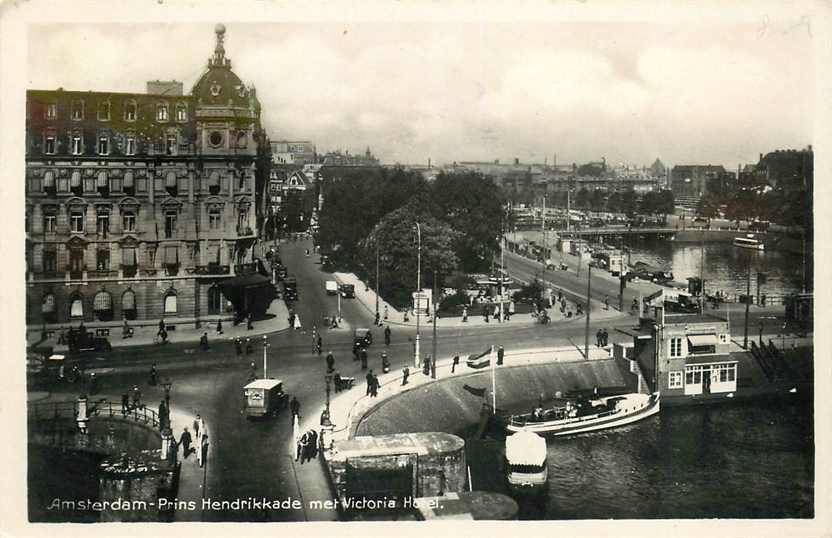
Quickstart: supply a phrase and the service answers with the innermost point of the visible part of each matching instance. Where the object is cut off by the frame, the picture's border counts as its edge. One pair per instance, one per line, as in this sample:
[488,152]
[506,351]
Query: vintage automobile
[362,337]
[331,287]
[264,397]
[347,291]
[290,289]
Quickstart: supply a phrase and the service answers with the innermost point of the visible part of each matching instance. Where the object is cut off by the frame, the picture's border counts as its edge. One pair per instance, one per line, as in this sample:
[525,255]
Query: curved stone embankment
[448,405]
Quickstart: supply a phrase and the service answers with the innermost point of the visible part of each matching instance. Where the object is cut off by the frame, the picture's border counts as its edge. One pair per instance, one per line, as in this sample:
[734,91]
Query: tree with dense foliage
[628,202]
[471,204]
[708,206]
[582,199]
[397,243]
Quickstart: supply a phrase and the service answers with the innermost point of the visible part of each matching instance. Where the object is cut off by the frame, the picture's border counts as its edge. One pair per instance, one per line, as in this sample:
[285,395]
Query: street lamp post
[435,311]
[378,290]
[418,290]
[265,345]
[588,291]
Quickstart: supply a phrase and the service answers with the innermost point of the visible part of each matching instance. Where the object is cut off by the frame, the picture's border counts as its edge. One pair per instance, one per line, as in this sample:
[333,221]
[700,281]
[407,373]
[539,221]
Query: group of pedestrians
[201,433]
[602,338]
[372,384]
[307,447]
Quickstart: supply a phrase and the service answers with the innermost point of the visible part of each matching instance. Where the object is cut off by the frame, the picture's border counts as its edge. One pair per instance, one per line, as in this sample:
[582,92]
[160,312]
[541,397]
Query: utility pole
[543,229]
[588,291]
[418,301]
[265,345]
[747,304]
[433,357]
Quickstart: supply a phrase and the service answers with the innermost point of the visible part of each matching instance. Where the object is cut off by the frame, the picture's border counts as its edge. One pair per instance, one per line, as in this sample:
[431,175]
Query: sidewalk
[367,297]
[277,319]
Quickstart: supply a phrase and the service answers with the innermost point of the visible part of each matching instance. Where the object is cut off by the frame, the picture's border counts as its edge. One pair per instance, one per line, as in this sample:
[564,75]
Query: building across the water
[140,205]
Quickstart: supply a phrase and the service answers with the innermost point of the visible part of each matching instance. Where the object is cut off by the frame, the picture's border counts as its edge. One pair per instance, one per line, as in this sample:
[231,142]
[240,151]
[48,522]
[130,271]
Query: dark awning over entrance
[251,293]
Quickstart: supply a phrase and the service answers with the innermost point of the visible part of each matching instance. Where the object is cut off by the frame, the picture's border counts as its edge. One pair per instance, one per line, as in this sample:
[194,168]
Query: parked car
[290,289]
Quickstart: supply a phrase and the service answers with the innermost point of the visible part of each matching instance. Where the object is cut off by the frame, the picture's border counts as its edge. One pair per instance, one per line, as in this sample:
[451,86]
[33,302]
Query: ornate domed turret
[219,85]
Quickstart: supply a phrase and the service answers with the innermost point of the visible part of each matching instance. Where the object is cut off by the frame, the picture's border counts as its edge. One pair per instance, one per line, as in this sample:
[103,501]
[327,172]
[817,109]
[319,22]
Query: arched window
[170,302]
[181,112]
[214,300]
[76,306]
[130,111]
[162,112]
[128,304]
[102,305]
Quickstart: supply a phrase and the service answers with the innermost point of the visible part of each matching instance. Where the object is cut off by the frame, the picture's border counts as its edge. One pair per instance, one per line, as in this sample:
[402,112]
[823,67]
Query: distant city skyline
[699,92]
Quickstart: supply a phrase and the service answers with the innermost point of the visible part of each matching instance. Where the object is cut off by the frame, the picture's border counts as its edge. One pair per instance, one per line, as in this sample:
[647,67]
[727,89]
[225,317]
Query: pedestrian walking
[291,319]
[605,338]
[464,314]
[303,442]
[185,441]
[249,322]
[203,449]
[137,396]
[374,386]
[313,444]
[500,354]
[238,346]
[599,337]
[369,378]
[219,326]
[203,341]
[161,327]
[330,362]
[294,406]
[377,320]
[387,333]
[485,314]
[455,363]
[153,375]
[319,344]
[125,403]
[405,375]
[197,423]
[336,380]
[606,302]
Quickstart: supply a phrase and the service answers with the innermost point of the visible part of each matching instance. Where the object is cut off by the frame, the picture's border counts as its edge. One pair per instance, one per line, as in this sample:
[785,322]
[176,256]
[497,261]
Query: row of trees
[626,201]
[775,205]
[374,212]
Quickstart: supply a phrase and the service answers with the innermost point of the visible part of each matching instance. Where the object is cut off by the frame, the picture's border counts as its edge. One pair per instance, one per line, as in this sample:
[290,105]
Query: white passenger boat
[526,469]
[579,416]
[749,241]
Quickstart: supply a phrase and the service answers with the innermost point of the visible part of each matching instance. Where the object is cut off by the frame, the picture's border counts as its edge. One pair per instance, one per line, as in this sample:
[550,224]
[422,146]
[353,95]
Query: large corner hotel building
[139,205]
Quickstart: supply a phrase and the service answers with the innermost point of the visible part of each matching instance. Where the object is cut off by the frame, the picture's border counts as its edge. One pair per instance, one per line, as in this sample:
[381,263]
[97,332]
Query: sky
[697,92]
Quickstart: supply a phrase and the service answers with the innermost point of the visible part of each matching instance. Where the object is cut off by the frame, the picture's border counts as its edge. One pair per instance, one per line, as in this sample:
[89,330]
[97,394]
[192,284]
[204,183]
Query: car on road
[347,291]
[362,337]
[281,271]
[264,397]
[290,289]
[331,287]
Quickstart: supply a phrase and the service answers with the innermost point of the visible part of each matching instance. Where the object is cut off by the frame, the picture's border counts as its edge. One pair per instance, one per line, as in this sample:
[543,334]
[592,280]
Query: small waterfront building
[686,355]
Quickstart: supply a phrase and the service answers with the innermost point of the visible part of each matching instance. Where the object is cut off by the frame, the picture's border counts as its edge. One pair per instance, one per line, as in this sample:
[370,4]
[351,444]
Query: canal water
[727,461]
[726,266]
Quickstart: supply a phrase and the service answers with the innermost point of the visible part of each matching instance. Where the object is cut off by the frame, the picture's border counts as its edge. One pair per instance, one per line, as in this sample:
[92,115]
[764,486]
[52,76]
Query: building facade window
[76,221]
[128,304]
[102,305]
[76,307]
[214,218]
[214,300]
[49,145]
[50,261]
[161,112]
[170,145]
[50,223]
[128,221]
[130,145]
[102,260]
[129,261]
[104,111]
[130,111]
[48,308]
[52,111]
[78,110]
[103,145]
[242,220]
[181,112]
[103,224]
[675,380]
[170,303]
[171,216]
[675,347]
[77,144]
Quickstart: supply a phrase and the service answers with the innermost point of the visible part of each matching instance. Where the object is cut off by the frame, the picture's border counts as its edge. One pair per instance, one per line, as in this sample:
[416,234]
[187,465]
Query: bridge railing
[44,411]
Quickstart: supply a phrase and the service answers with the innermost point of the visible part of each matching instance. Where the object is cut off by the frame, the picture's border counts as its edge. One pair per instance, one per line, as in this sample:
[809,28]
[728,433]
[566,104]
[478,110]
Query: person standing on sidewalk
[185,441]
[387,333]
[464,314]
[599,337]
[219,326]
[294,406]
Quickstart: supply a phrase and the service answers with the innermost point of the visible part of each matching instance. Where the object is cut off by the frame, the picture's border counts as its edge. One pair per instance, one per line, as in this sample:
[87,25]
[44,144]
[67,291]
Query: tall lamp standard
[418,290]
[378,288]
[588,306]
[265,346]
